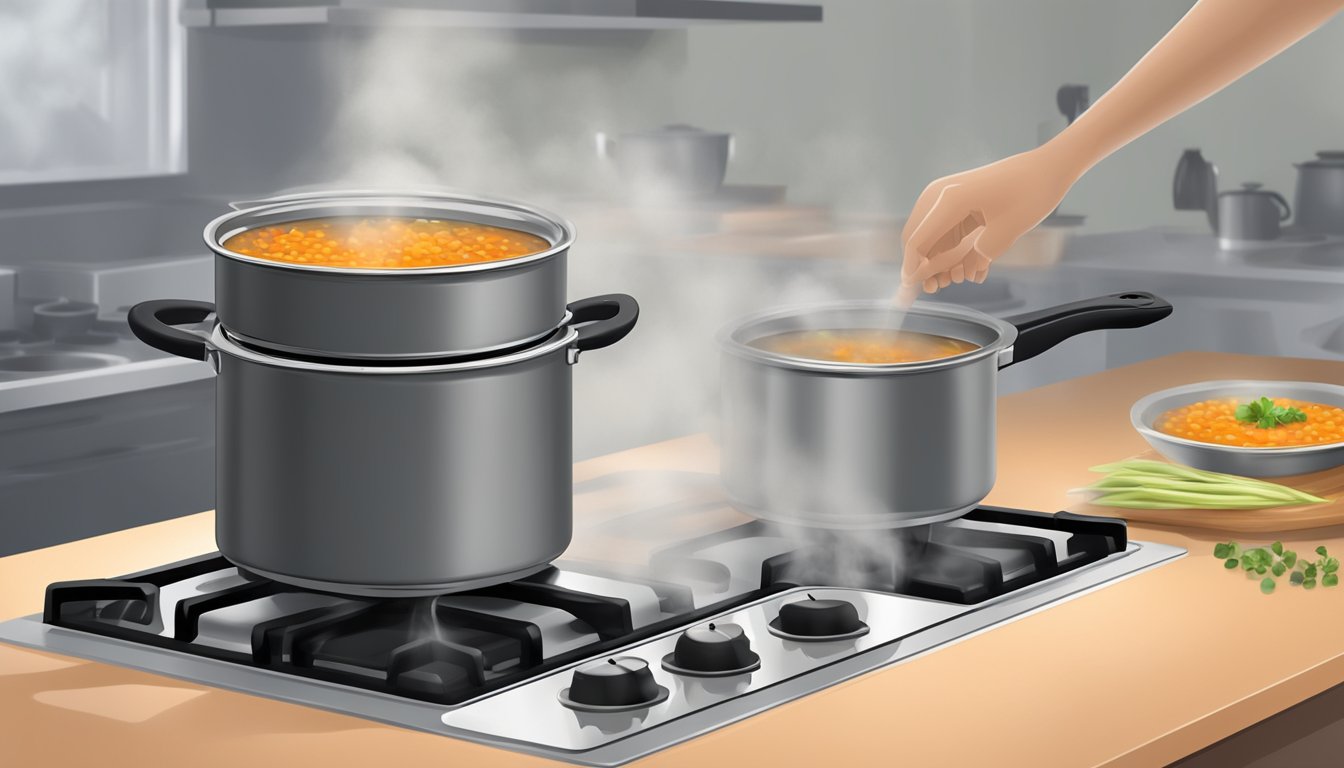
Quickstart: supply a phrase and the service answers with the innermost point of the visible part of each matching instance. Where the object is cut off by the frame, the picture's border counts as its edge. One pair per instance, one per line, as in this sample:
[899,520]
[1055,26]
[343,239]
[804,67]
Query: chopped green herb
[1266,415]
[1267,564]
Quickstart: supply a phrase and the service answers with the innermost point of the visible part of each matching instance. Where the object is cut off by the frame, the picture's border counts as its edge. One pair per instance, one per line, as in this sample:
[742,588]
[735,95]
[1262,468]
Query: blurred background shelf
[503,14]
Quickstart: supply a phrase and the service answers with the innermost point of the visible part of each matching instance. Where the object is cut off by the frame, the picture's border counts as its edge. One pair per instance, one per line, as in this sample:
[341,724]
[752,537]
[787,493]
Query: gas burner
[443,649]
[988,552]
[607,663]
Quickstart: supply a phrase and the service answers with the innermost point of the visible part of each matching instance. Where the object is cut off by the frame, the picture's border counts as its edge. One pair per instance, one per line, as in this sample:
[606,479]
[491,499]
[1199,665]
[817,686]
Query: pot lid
[1247,188]
[675,130]
[1325,158]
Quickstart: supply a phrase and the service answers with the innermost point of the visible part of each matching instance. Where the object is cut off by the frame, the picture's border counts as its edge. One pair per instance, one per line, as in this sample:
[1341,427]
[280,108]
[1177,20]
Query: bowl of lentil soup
[1252,428]
[375,275]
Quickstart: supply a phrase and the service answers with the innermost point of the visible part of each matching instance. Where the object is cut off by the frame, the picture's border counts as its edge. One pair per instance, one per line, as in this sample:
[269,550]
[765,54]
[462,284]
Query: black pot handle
[1040,330]
[152,322]
[603,320]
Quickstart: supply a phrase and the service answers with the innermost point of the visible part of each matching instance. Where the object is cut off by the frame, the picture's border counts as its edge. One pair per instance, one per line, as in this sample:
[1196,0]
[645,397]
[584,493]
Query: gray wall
[885,96]
[861,110]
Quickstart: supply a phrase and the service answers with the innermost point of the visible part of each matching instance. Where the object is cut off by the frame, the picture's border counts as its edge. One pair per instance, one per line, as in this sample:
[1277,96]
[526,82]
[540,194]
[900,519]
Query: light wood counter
[1138,673]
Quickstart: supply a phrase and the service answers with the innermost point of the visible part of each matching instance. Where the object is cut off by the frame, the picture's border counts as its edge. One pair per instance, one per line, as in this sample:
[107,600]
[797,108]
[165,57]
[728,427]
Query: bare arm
[1216,43]
[961,223]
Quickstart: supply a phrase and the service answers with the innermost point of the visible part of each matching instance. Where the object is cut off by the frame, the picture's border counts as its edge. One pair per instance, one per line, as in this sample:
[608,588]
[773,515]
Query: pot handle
[1285,212]
[1040,330]
[152,322]
[606,319]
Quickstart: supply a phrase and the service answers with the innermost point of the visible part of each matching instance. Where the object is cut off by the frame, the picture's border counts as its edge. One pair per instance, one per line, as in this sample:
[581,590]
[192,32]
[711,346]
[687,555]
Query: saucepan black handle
[152,322]
[603,320]
[1040,330]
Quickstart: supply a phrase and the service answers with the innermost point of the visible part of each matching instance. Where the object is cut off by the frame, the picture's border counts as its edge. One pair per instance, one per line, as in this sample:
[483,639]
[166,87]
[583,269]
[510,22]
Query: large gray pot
[391,480]
[1320,194]
[838,445]
[355,313]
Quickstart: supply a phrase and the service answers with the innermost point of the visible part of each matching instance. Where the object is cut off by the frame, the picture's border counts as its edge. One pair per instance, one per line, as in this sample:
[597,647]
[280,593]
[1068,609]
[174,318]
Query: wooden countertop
[1138,673]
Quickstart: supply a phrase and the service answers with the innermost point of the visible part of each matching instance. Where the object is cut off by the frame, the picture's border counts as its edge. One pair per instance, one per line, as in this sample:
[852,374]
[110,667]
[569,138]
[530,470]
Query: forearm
[1216,43]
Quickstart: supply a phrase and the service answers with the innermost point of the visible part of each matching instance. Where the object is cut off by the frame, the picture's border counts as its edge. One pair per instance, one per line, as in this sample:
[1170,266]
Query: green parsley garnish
[1266,415]
[1269,563]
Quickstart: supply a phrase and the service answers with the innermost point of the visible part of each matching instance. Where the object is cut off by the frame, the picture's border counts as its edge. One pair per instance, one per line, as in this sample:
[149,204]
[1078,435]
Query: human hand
[961,223]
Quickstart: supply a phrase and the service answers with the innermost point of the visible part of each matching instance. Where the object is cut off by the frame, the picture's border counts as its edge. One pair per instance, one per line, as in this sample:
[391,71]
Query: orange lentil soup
[384,242]
[1215,421]
[874,346]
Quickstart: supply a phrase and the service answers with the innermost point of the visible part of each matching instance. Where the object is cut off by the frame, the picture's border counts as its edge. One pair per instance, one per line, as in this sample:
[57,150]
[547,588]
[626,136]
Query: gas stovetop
[589,662]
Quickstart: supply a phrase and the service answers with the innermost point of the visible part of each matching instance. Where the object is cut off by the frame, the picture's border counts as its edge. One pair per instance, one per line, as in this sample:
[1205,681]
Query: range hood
[502,14]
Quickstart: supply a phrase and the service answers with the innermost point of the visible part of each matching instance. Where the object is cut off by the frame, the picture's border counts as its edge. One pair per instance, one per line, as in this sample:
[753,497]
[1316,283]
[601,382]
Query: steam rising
[52,71]
[465,111]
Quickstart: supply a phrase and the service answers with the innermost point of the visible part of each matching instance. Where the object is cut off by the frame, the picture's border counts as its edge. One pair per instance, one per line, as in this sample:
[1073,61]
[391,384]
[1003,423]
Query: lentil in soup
[384,242]
[874,346]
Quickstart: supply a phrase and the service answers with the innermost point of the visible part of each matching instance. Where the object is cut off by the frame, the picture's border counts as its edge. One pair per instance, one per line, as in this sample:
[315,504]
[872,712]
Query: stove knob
[817,620]
[713,650]
[617,684]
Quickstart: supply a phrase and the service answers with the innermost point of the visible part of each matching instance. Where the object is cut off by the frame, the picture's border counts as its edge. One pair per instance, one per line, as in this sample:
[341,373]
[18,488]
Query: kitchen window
[90,89]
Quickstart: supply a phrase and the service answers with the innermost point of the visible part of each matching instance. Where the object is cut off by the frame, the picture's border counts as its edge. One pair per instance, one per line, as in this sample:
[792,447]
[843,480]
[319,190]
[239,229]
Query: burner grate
[443,649]
[452,648]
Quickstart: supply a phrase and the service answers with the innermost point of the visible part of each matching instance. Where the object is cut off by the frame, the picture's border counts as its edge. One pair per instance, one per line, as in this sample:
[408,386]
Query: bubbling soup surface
[384,242]
[874,346]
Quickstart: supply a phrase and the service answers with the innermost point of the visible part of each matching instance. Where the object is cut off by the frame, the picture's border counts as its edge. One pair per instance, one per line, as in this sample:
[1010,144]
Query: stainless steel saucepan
[843,445]
[348,313]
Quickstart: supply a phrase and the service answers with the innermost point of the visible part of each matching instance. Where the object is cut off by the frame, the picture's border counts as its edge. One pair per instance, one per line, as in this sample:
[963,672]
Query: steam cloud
[52,65]
[447,109]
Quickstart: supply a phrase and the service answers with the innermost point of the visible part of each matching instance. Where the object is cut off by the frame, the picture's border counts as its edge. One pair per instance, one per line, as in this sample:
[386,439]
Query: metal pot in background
[1320,194]
[674,161]
[1250,214]
[839,445]
[391,479]
[357,313]
[1195,185]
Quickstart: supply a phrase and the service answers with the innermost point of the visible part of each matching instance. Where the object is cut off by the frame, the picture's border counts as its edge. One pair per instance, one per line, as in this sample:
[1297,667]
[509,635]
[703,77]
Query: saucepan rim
[316,204]
[731,336]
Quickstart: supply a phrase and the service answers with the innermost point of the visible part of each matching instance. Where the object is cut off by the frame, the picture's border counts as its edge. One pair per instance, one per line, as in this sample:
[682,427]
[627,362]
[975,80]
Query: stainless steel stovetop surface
[527,716]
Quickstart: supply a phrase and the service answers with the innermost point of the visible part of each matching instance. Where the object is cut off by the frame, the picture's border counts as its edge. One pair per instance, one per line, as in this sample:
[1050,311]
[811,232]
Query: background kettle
[1250,214]
[1195,186]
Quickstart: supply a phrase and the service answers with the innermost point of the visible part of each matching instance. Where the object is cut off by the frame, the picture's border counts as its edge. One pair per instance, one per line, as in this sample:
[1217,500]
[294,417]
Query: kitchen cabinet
[1311,733]
[86,468]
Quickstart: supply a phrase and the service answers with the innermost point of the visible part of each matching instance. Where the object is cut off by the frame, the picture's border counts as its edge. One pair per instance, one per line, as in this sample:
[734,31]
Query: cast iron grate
[447,654]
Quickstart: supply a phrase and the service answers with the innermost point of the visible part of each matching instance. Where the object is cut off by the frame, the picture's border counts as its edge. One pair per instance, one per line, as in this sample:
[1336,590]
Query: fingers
[942,218]
[943,261]
[969,260]
[906,295]
[922,206]
[911,258]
